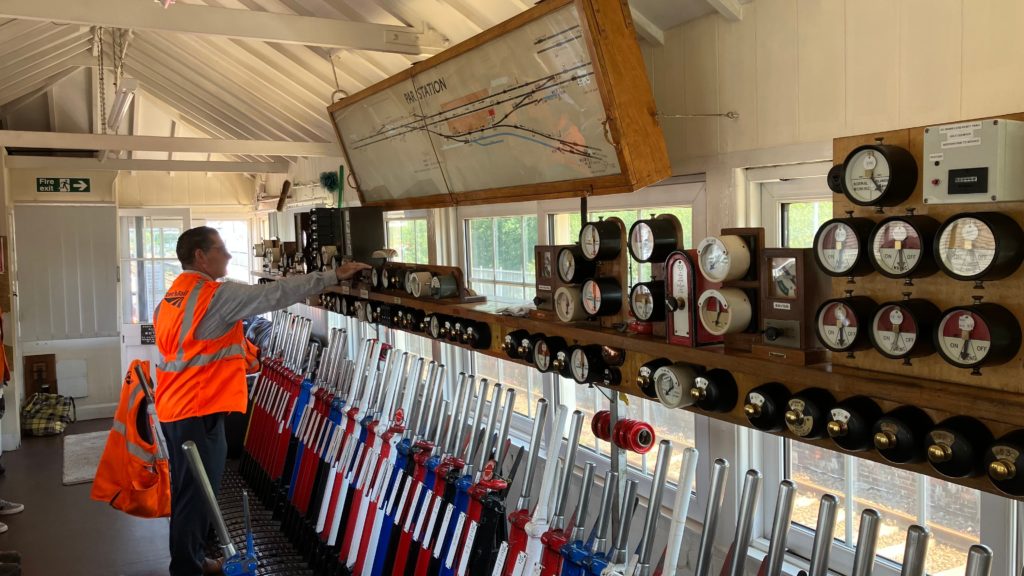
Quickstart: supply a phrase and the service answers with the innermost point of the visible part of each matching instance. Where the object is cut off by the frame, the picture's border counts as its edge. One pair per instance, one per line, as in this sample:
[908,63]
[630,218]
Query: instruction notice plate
[147,334]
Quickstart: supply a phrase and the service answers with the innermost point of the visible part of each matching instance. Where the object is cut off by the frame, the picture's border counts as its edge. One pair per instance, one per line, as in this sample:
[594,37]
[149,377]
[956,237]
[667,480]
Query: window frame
[768,190]
[124,261]
[413,215]
[690,191]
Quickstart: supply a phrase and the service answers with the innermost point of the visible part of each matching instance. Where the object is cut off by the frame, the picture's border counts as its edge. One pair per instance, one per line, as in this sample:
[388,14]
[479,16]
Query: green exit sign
[63,185]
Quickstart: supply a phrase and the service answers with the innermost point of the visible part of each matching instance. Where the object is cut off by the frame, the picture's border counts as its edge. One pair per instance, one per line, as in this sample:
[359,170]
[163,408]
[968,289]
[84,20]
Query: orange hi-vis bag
[134,474]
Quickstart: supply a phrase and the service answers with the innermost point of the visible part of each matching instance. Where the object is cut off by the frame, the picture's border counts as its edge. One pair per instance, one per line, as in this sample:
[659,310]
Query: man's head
[201,249]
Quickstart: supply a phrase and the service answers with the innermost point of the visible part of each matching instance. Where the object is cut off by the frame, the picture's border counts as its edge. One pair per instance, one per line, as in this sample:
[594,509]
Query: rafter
[263,26]
[50,162]
[730,9]
[75,141]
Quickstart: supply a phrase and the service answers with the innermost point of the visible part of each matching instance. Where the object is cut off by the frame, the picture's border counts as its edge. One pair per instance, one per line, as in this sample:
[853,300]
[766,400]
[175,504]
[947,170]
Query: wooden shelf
[1001,411]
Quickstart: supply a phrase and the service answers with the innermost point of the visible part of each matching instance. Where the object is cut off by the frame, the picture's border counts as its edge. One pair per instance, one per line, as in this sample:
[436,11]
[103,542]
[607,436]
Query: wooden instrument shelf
[1001,411]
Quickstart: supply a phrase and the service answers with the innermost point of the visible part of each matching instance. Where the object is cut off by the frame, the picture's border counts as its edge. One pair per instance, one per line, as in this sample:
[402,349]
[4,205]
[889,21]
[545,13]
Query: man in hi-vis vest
[201,373]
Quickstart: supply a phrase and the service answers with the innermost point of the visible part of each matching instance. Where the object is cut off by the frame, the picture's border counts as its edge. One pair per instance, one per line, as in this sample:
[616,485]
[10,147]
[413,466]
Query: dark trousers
[190,516]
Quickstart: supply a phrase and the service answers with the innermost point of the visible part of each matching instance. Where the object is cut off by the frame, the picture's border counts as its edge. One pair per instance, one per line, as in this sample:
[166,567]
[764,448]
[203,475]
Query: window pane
[235,234]
[801,220]
[523,379]
[501,256]
[679,426]
[149,282]
[902,498]
[409,238]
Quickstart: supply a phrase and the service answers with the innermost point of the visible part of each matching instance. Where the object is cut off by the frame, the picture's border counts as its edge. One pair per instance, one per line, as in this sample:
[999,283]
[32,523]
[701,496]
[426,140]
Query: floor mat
[82,456]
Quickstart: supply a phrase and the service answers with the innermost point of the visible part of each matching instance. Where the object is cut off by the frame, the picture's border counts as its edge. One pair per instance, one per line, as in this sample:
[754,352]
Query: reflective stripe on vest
[201,360]
[133,448]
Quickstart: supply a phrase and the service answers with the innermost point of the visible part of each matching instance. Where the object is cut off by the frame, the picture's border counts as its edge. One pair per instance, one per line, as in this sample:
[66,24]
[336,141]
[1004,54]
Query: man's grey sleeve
[234,301]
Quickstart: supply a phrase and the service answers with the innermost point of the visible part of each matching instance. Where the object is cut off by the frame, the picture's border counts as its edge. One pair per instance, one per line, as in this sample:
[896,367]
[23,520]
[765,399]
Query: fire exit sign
[63,185]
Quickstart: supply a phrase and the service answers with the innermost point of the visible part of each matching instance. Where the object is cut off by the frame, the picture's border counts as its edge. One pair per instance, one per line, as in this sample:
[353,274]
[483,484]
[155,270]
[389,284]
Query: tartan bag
[47,414]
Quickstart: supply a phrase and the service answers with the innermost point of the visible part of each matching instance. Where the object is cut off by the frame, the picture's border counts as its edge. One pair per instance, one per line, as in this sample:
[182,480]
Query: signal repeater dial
[672,384]
[647,301]
[902,330]
[573,268]
[840,247]
[723,258]
[724,311]
[569,304]
[979,246]
[601,240]
[653,240]
[843,323]
[982,334]
[602,296]
[879,175]
[901,246]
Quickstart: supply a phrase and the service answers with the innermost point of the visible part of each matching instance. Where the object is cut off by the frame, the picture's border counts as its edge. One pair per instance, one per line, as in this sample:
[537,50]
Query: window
[566,227]
[791,212]
[235,234]
[409,237]
[149,263]
[501,257]
[525,380]
[951,512]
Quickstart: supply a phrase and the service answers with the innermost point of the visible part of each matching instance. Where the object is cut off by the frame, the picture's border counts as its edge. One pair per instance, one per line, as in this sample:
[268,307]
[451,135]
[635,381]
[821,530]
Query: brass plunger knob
[1002,470]
[794,418]
[680,303]
[939,453]
[752,410]
[885,440]
[698,394]
[836,428]
[523,350]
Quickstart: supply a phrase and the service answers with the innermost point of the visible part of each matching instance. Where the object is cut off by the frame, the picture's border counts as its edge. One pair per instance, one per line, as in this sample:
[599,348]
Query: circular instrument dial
[419,284]
[980,246]
[723,259]
[839,247]
[647,301]
[901,246]
[434,325]
[601,240]
[839,323]
[984,334]
[573,268]
[444,286]
[645,376]
[653,240]
[586,364]
[673,383]
[545,351]
[568,304]
[807,412]
[724,311]
[879,175]
[903,329]
[601,297]
[377,277]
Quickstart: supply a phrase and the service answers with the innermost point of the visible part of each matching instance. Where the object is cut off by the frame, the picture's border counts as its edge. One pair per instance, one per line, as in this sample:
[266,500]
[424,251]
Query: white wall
[191,189]
[802,72]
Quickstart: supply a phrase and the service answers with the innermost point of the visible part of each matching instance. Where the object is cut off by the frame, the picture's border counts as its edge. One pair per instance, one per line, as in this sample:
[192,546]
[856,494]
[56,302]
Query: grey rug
[82,456]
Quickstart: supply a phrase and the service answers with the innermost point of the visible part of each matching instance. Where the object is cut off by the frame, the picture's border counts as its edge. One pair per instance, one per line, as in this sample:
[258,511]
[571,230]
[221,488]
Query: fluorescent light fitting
[122,100]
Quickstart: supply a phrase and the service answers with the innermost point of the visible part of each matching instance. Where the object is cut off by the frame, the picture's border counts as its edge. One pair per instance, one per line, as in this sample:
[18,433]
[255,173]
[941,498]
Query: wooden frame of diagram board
[625,91]
[940,289]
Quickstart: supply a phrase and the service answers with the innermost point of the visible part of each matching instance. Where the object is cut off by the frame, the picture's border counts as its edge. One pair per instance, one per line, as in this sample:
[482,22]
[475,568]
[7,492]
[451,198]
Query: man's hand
[350,269]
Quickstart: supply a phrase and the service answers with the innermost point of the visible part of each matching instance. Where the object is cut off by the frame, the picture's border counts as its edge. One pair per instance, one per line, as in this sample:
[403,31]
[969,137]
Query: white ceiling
[247,87]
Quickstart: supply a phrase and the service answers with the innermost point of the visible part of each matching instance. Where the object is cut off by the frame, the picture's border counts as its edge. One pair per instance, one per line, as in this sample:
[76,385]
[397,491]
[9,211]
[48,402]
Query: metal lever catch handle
[195,462]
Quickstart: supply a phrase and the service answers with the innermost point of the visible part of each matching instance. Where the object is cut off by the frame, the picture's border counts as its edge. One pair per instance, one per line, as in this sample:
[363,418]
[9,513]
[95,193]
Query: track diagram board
[524,108]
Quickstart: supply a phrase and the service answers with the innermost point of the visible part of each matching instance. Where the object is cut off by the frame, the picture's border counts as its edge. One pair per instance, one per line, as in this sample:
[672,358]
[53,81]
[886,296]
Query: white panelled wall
[802,72]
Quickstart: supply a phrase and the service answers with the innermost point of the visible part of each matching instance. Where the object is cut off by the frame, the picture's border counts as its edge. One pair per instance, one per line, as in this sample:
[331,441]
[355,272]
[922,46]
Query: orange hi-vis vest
[133,474]
[197,377]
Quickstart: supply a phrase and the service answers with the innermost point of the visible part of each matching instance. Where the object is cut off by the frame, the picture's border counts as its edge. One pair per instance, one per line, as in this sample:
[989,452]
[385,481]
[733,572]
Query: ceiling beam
[646,29]
[730,9]
[50,162]
[212,21]
[71,141]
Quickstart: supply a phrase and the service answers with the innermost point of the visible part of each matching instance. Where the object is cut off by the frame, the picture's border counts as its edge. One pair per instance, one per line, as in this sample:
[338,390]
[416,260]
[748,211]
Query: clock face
[838,248]
[867,176]
[897,248]
[590,241]
[580,365]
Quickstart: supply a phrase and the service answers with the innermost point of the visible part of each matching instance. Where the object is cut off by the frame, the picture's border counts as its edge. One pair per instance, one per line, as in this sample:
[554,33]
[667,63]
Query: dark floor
[62,531]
